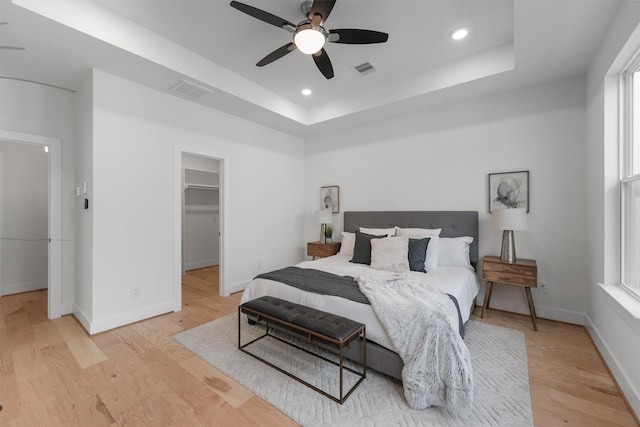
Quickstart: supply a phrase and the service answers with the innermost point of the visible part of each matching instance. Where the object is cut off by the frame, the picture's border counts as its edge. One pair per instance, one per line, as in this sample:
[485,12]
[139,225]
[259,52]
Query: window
[630,180]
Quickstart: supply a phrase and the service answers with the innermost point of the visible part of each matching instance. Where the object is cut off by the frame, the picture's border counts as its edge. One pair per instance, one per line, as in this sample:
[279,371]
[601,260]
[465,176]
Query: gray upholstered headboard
[452,223]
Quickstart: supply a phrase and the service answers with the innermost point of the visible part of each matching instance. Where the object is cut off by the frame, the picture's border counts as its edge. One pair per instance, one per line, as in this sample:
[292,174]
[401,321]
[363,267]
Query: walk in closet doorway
[201,218]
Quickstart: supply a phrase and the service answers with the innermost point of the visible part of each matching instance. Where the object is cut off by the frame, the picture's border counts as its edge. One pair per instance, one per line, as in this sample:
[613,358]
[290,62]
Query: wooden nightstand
[522,272]
[321,250]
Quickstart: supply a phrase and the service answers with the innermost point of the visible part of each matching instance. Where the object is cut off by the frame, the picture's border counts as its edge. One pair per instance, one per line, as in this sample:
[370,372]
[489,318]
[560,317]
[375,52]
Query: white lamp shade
[324,216]
[309,40]
[509,219]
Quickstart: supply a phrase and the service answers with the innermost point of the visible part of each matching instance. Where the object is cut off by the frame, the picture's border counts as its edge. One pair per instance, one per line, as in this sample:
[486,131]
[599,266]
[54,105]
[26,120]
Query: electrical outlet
[542,287]
[136,291]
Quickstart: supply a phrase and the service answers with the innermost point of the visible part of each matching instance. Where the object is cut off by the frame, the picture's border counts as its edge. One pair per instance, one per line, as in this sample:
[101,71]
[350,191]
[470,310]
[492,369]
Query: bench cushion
[320,322]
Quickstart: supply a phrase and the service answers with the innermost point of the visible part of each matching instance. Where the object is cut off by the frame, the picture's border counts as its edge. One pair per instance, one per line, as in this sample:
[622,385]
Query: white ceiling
[159,42]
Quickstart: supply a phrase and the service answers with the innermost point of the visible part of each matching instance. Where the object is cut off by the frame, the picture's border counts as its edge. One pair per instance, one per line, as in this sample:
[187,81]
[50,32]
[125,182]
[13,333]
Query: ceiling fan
[310,36]
[10,47]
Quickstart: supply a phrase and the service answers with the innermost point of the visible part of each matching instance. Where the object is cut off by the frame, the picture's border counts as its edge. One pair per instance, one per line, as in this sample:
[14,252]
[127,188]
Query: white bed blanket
[422,323]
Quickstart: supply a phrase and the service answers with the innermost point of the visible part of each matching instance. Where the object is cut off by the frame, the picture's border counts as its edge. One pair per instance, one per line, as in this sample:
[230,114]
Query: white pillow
[389,232]
[390,254]
[454,252]
[431,257]
[348,242]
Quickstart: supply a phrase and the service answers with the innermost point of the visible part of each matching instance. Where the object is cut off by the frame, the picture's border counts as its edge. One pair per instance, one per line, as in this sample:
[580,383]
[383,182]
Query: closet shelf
[201,180]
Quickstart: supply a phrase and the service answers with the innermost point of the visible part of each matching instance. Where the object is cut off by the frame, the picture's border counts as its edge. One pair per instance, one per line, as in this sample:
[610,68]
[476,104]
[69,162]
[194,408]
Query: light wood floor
[53,374]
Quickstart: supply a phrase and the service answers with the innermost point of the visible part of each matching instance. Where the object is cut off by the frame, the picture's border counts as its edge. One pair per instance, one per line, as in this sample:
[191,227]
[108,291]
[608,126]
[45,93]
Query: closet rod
[201,187]
[24,240]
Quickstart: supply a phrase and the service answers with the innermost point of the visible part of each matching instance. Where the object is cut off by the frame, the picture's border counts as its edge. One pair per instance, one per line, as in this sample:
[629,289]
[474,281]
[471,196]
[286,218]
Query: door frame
[54,276]
[223,158]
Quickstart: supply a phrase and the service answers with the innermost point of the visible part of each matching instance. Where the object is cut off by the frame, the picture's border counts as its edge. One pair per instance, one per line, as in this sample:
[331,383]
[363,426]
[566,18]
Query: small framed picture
[330,198]
[509,190]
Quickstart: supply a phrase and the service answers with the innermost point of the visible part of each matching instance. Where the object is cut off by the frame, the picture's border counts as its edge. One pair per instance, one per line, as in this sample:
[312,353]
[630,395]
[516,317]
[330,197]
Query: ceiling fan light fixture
[309,39]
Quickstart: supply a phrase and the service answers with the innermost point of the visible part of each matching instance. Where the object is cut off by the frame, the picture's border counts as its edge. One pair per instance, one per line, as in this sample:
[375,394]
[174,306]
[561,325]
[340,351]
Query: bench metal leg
[360,333]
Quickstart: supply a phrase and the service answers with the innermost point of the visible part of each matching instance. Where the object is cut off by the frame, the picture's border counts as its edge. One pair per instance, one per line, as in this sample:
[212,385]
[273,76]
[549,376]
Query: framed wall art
[509,190]
[330,198]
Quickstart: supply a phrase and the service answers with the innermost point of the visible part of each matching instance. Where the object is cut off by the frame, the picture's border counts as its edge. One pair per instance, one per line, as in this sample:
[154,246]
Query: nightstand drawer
[523,272]
[514,279]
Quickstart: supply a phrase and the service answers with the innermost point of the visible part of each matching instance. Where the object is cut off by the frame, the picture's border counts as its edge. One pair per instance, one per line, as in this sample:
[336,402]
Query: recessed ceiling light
[306,92]
[460,33]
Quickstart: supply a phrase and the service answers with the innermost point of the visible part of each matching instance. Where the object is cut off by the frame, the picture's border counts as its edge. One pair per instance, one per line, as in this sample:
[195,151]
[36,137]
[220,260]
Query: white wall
[135,130]
[42,110]
[23,224]
[440,160]
[83,295]
[615,330]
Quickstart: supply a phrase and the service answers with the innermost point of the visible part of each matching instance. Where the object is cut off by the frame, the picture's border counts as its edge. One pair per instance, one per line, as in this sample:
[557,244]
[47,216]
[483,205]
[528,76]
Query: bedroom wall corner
[83,292]
[615,332]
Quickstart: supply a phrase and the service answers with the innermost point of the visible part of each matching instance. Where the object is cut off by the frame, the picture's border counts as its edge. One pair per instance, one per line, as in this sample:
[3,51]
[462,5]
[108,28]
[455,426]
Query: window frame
[628,125]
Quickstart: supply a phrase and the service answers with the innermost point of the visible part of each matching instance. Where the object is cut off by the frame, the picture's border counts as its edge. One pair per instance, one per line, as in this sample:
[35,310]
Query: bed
[458,281]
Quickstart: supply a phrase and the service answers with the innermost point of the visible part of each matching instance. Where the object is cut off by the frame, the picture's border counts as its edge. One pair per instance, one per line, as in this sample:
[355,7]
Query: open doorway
[221,160]
[200,225]
[24,182]
[53,235]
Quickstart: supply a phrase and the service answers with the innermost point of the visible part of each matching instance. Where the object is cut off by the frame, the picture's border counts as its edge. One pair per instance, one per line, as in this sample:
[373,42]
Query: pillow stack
[406,249]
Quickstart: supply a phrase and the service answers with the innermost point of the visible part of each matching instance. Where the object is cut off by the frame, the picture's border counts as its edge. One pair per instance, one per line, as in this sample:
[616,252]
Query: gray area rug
[499,358]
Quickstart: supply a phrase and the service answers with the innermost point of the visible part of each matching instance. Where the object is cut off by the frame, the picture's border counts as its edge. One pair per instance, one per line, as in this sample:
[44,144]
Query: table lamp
[324,217]
[509,220]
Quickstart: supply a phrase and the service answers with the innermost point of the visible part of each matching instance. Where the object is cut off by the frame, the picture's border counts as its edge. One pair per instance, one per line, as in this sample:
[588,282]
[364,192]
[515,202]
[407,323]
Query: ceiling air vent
[190,89]
[364,68]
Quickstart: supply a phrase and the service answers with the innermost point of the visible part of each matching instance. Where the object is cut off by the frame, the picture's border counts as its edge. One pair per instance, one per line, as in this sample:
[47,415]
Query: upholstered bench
[314,325]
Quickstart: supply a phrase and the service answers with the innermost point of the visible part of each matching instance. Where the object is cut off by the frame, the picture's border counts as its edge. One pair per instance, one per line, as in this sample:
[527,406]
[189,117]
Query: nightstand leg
[532,309]
[487,298]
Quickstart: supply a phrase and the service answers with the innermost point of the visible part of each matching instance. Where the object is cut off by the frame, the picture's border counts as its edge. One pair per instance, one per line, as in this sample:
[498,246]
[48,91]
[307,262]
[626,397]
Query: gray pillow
[362,248]
[418,253]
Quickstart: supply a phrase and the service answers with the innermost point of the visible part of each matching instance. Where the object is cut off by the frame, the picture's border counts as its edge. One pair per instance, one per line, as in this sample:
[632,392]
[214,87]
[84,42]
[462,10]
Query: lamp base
[508,252]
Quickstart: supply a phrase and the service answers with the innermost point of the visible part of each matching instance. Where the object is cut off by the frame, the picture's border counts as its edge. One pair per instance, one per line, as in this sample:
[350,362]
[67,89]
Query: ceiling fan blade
[12,48]
[324,63]
[276,54]
[262,15]
[322,8]
[353,36]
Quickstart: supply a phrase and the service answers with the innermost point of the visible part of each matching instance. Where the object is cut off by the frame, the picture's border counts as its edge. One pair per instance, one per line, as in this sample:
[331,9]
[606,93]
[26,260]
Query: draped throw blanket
[423,325]
[319,282]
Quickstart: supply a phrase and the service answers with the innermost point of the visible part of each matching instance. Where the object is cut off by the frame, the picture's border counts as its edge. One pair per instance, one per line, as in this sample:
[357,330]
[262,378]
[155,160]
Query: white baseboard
[17,288]
[193,265]
[542,311]
[105,324]
[630,393]
[237,287]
